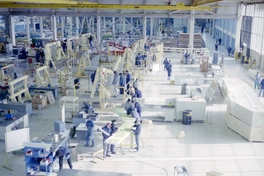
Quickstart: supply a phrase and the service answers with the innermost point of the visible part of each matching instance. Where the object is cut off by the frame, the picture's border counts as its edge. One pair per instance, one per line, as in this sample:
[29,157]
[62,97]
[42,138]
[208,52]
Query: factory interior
[190,70]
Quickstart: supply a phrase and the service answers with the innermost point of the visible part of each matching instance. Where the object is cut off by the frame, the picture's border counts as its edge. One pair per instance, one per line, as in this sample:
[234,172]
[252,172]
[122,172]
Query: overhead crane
[203,2]
[84,5]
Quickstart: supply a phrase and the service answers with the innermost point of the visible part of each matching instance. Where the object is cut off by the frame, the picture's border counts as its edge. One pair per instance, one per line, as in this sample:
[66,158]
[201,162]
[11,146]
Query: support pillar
[28,30]
[191,33]
[213,28]
[124,25]
[62,26]
[41,27]
[54,27]
[238,29]
[104,23]
[98,30]
[113,26]
[144,28]
[77,26]
[12,30]
[151,27]
[231,32]
[92,24]
[70,22]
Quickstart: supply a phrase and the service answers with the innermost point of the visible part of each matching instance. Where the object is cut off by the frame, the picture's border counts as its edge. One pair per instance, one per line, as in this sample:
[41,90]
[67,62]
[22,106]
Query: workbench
[8,125]
[25,107]
[54,90]
[189,77]
[124,130]
[197,106]
[166,110]
[36,150]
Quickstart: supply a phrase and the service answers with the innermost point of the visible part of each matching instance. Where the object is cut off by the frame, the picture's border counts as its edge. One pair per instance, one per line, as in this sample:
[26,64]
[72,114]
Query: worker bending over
[63,152]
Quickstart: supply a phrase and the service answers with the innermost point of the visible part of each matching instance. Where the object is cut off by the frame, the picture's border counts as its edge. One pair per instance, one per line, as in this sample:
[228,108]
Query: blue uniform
[137,132]
[113,130]
[105,136]
[89,133]
[138,93]
[122,83]
[138,108]
[63,152]
[261,88]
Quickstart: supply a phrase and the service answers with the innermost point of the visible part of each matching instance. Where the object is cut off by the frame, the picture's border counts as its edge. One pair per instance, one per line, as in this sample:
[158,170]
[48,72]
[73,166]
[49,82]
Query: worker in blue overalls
[90,132]
[113,130]
[106,133]
[63,152]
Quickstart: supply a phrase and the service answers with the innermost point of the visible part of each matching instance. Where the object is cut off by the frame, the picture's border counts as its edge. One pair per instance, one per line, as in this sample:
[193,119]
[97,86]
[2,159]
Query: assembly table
[8,125]
[167,110]
[25,107]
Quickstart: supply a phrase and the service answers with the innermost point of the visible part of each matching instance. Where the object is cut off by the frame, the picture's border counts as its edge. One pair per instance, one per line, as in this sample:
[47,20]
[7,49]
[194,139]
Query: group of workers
[107,131]
[167,67]
[140,60]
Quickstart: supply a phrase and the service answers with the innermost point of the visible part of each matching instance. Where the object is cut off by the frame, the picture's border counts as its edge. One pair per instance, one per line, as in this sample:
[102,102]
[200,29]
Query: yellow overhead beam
[203,2]
[45,1]
[83,5]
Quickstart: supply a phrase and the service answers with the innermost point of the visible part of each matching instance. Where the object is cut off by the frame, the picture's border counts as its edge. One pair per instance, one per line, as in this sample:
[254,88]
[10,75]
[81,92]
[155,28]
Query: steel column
[77,26]
[191,33]
[144,28]
[98,31]
[28,30]
[41,27]
[238,29]
[113,27]
[12,28]
[54,26]
[151,27]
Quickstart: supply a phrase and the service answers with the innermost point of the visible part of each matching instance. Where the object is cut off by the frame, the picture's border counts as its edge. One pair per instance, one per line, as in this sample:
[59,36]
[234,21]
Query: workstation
[111,60]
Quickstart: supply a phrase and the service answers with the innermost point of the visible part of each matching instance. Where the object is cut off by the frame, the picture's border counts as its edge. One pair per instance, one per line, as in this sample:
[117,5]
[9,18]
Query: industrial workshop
[132,88]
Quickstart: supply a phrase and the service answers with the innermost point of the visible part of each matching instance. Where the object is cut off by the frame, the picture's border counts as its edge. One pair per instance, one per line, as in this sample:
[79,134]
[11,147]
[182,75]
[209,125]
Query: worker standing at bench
[113,130]
[106,131]
[137,130]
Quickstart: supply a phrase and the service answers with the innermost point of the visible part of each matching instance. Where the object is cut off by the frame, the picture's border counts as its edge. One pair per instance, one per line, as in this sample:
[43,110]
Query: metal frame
[16,91]
[43,79]
[104,89]
[83,64]
[2,72]
[59,54]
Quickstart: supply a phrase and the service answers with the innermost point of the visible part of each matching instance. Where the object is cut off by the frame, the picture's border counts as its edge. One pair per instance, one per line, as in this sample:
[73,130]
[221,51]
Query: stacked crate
[39,101]
[184,40]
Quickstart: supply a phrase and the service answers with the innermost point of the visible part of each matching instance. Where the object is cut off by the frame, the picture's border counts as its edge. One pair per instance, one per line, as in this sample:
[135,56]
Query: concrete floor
[209,146]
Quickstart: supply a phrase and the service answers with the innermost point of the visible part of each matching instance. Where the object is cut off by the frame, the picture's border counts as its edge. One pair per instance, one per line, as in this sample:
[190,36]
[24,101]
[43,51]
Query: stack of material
[184,40]
[39,101]
[50,97]
[245,111]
